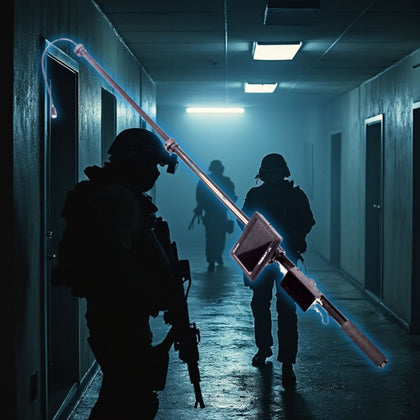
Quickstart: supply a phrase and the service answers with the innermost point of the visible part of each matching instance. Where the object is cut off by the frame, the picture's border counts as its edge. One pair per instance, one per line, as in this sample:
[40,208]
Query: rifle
[192,222]
[197,216]
[184,334]
[302,289]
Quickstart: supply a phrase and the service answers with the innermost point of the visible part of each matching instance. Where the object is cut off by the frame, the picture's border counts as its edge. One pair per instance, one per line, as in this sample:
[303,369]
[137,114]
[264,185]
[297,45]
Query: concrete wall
[391,93]
[34,22]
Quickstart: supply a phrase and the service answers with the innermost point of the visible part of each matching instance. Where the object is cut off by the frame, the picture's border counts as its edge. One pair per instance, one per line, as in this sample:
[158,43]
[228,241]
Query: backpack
[302,219]
[73,249]
[287,208]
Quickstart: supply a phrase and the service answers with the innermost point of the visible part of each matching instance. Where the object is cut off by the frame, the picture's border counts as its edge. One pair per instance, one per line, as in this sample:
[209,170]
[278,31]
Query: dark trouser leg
[209,245]
[215,242]
[121,397]
[126,391]
[287,331]
[260,305]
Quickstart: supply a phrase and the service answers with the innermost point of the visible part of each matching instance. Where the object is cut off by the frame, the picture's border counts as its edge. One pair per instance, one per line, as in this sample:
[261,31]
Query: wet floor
[335,380]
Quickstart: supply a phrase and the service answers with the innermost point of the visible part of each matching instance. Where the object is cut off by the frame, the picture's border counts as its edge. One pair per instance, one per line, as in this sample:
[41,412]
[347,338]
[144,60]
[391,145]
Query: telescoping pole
[302,289]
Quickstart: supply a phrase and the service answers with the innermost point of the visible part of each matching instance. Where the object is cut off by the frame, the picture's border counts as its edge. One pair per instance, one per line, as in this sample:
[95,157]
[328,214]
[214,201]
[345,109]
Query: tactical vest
[84,269]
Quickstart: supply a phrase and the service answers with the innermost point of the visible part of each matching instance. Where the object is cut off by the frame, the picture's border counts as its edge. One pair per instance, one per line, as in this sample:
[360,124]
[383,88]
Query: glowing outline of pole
[286,265]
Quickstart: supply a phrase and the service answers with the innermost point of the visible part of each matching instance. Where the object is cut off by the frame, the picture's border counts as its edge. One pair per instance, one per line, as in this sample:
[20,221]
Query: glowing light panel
[260,87]
[269,51]
[215,110]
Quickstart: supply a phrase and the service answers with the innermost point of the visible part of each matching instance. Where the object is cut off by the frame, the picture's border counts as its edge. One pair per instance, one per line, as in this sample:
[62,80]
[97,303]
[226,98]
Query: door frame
[63,59]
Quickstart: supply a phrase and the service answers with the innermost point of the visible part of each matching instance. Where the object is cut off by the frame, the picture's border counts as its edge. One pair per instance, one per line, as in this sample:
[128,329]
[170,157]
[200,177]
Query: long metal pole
[286,264]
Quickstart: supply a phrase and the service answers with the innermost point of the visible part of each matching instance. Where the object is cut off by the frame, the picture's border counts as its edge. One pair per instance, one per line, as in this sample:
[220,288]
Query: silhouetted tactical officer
[121,270]
[215,217]
[287,208]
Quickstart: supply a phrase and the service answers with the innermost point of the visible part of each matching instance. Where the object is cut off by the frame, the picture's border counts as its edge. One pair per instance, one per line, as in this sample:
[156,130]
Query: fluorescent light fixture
[260,87]
[214,110]
[271,51]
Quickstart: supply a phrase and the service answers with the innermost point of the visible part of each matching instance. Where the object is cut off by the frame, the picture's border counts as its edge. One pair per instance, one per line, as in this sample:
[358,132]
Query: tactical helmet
[140,143]
[273,163]
[216,166]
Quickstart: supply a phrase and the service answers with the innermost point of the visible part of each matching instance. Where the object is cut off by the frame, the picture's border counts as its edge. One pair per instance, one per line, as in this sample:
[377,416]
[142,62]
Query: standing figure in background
[287,208]
[215,217]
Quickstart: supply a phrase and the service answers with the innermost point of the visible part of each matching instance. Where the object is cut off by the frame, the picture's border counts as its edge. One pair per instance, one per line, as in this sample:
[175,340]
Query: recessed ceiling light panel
[260,87]
[275,51]
[214,110]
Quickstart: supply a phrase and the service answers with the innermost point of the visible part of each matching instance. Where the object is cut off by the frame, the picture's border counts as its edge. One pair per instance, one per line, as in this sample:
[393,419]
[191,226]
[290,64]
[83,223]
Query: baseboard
[370,297]
[75,393]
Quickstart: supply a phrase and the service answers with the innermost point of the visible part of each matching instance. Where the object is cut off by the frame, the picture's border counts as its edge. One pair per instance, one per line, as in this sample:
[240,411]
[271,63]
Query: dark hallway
[344,114]
[335,380]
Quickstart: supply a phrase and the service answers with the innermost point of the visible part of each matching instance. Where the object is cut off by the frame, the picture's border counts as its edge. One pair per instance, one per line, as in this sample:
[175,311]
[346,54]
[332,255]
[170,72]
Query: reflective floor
[334,378]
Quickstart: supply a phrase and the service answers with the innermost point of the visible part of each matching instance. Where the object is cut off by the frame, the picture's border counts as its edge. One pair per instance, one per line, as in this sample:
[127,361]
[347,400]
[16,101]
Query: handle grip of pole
[374,354]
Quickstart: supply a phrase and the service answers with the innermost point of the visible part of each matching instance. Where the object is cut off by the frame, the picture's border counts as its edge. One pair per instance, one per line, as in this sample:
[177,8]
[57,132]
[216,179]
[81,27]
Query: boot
[288,377]
[261,355]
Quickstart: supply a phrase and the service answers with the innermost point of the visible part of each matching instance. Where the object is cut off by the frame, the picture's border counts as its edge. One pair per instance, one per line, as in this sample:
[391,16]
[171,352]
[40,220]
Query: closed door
[108,122]
[335,199]
[415,293]
[373,206]
[61,321]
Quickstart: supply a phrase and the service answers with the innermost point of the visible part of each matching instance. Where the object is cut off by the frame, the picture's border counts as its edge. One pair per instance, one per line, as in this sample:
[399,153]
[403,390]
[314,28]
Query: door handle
[51,257]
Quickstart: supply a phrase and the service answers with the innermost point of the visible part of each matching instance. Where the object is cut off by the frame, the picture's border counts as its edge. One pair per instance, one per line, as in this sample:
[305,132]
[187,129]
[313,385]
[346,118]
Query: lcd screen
[256,246]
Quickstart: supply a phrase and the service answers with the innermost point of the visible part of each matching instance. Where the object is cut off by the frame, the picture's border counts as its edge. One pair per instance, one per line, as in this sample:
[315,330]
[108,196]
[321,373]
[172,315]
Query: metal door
[335,199]
[108,122]
[61,308]
[415,292]
[374,204]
